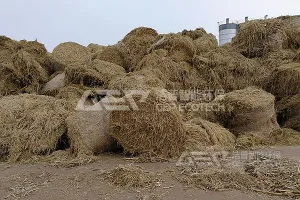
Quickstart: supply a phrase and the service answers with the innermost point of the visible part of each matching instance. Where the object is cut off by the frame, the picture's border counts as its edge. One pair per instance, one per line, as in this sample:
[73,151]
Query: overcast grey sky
[108,21]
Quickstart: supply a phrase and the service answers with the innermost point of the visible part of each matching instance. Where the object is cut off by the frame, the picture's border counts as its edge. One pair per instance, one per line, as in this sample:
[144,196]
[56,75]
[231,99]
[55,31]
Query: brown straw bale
[251,110]
[135,45]
[194,34]
[234,71]
[31,125]
[202,134]
[289,112]
[89,132]
[284,81]
[7,49]
[98,74]
[205,44]
[275,59]
[70,53]
[297,56]
[138,80]
[71,94]
[155,129]
[24,74]
[94,48]
[258,37]
[180,48]
[110,54]
[176,75]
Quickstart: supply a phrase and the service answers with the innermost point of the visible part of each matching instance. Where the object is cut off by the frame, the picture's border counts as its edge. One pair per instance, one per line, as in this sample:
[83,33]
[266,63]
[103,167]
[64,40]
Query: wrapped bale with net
[155,128]
[52,87]
[31,125]
[135,45]
[71,53]
[110,54]
[285,81]
[289,112]
[179,48]
[89,132]
[251,110]
[202,134]
[98,74]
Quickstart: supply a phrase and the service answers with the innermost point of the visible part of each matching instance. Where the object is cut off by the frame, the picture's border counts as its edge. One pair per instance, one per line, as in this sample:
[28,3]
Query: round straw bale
[174,73]
[39,53]
[137,80]
[135,45]
[257,37]
[7,49]
[70,53]
[202,134]
[194,34]
[71,94]
[234,71]
[93,48]
[155,129]
[289,112]
[24,74]
[285,81]
[31,125]
[251,110]
[205,44]
[180,48]
[89,132]
[110,54]
[98,74]
[275,59]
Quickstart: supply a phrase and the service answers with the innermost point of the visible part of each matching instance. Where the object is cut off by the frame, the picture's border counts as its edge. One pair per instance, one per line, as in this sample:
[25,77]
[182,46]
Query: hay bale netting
[110,54]
[93,48]
[179,48]
[234,71]
[251,110]
[155,129]
[31,125]
[202,134]
[89,132]
[258,37]
[98,74]
[23,75]
[135,45]
[137,80]
[285,81]
[52,87]
[289,112]
[70,53]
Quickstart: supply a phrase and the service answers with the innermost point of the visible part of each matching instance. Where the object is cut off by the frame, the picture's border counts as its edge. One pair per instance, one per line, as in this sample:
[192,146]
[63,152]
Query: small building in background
[227,31]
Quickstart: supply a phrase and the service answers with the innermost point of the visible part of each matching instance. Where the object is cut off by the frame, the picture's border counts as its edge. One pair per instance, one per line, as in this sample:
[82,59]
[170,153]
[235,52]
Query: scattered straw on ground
[132,176]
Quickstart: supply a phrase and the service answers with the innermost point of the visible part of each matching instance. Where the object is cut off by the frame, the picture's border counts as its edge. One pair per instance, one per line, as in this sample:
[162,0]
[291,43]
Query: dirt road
[46,181]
